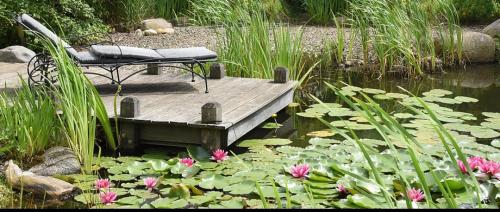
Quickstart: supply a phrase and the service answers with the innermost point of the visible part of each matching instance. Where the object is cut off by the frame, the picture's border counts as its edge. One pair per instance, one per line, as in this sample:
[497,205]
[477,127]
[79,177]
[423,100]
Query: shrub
[477,11]
[77,17]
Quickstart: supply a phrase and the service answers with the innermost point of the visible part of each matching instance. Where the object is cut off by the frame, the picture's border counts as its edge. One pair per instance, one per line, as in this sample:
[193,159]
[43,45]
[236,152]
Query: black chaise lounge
[112,57]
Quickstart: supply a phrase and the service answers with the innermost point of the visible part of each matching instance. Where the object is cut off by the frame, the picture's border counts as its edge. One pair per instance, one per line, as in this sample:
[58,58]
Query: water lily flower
[219,155]
[300,171]
[415,195]
[489,169]
[108,198]
[342,189]
[475,162]
[150,183]
[461,164]
[187,161]
[102,184]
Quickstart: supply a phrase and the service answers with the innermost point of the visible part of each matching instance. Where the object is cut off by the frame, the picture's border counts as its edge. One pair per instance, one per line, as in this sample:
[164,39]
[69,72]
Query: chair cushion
[198,53]
[110,51]
[86,57]
[36,26]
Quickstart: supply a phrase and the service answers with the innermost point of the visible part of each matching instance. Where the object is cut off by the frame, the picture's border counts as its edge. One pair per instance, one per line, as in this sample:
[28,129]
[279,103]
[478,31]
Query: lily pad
[213,181]
[466,99]
[480,132]
[245,187]
[271,125]
[198,153]
[264,142]
[373,91]
[169,203]
[321,134]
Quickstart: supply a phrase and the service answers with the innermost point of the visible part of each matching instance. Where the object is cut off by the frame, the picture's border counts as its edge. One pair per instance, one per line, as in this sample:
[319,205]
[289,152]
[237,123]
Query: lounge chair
[112,57]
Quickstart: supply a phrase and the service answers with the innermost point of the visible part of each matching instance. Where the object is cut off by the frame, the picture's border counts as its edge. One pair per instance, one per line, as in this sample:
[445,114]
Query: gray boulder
[16,54]
[478,47]
[159,25]
[493,29]
[57,161]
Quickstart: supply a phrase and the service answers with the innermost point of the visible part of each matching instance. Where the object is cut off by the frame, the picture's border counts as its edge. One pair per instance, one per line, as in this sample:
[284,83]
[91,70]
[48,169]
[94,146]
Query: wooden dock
[166,109]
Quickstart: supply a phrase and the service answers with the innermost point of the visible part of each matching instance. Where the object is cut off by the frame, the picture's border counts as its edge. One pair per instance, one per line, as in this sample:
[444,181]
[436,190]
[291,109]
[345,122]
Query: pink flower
[102,184]
[461,164]
[300,171]
[490,168]
[187,161]
[342,189]
[150,183]
[107,198]
[415,195]
[475,162]
[219,155]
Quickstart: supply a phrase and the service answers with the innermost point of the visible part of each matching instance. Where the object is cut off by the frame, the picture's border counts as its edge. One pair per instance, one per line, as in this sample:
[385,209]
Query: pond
[300,139]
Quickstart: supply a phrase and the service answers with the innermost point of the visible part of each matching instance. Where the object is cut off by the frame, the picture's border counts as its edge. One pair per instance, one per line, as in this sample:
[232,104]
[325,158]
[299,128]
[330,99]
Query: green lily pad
[382,97]
[271,125]
[131,200]
[438,93]
[159,165]
[122,177]
[198,153]
[351,88]
[491,115]
[480,132]
[264,142]
[179,191]
[213,181]
[169,203]
[321,134]
[326,105]
[88,198]
[466,99]
[396,95]
[496,143]
[235,203]
[491,125]
[245,187]
[403,115]
[373,91]
[310,115]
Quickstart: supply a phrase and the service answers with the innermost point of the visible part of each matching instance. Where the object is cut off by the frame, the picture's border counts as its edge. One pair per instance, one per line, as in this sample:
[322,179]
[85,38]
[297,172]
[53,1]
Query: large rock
[57,161]
[38,185]
[478,47]
[493,29]
[16,54]
[160,25]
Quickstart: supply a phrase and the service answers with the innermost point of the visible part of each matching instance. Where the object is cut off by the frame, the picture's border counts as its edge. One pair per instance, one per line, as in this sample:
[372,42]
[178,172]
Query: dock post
[217,71]
[211,113]
[129,132]
[153,69]
[281,75]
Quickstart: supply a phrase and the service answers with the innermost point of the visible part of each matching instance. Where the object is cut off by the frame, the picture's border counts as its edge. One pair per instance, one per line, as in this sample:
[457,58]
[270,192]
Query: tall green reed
[250,44]
[401,32]
[81,107]
[169,9]
[28,119]
[323,11]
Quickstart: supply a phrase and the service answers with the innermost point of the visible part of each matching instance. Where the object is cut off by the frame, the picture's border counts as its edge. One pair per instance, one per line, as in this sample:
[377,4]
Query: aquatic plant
[102,184]
[169,9]
[300,171]
[80,105]
[187,161]
[28,120]
[108,198]
[219,155]
[150,183]
[415,195]
[323,11]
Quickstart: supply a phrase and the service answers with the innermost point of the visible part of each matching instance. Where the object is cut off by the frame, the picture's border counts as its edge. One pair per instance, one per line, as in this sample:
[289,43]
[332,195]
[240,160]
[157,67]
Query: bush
[76,18]
[477,11]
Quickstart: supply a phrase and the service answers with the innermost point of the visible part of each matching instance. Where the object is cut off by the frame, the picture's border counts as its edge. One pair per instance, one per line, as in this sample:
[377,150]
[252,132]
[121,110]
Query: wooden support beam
[211,139]
[281,75]
[153,69]
[217,71]
[129,131]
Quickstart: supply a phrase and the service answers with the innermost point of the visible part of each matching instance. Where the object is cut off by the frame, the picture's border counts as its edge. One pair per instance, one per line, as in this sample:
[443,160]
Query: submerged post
[211,113]
[129,132]
[217,71]
[153,69]
[281,75]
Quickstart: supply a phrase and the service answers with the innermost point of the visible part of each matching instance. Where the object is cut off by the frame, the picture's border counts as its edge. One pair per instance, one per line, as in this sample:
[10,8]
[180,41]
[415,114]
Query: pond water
[477,81]
[481,82]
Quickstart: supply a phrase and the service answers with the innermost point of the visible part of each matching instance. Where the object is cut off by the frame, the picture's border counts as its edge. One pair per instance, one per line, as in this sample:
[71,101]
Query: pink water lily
[102,184]
[489,169]
[415,195]
[461,164]
[300,171]
[187,161]
[108,198]
[475,162]
[341,189]
[150,183]
[219,155]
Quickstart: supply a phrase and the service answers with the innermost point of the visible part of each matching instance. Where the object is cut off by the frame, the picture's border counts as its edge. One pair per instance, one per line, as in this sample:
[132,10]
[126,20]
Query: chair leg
[204,76]
[192,72]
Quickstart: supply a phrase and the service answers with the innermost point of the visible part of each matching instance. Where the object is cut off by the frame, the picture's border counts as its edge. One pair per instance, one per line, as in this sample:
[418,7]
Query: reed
[81,108]
[323,11]
[169,9]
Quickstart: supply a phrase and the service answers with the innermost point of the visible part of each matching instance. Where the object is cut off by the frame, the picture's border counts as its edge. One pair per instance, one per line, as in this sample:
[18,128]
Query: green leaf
[264,142]
[159,165]
[198,153]
[271,125]
[213,181]
[169,203]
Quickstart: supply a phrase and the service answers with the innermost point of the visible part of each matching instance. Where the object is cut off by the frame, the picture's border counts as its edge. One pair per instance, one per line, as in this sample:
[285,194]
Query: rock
[138,32]
[427,64]
[16,54]
[38,185]
[160,25]
[180,21]
[149,32]
[57,161]
[478,47]
[493,29]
